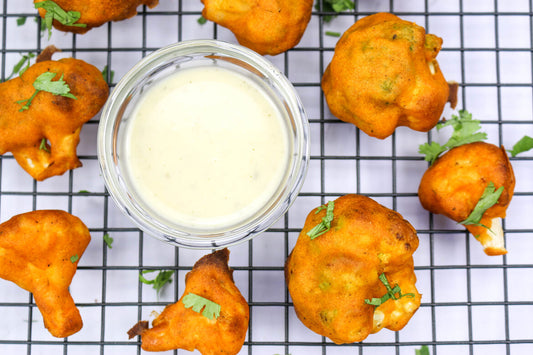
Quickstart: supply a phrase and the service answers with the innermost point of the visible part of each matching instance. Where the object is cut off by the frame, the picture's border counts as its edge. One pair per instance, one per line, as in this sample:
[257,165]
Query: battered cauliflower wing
[265,26]
[179,327]
[39,251]
[454,184]
[384,74]
[44,137]
[94,13]
[358,276]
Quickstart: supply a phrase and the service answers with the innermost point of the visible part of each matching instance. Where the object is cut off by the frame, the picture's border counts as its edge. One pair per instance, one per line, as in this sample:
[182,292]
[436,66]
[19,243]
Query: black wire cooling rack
[471,304]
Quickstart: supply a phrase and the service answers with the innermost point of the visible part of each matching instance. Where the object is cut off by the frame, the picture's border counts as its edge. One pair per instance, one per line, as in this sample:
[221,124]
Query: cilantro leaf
[21,20]
[464,132]
[391,293]
[431,151]
[106,72]
[74,258]
[201,20]
[341,5]
[22,65]
[333,6]
[325,224]
[162,278]
[488,199]
[43,146]
[44,83]
[424,350]
[55,12]
[108,240]
[210,309]
[38,20]
[59,87]
[523,145]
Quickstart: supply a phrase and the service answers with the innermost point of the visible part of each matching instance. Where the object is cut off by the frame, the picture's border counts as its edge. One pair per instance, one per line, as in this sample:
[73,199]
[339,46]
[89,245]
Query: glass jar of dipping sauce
[203,144]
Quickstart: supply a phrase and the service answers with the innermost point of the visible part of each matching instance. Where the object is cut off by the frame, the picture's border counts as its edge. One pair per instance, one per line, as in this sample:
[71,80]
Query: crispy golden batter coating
[266,26]
[453,185]
[55,118]
[330,277]
[178,327]
[35,253]
[95,13]
[384,74]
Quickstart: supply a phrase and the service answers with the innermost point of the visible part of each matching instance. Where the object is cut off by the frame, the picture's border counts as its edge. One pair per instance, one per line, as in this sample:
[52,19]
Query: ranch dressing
[206,148]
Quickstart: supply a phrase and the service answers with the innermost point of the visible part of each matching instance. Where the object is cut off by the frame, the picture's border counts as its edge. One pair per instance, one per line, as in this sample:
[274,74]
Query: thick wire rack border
[324,194]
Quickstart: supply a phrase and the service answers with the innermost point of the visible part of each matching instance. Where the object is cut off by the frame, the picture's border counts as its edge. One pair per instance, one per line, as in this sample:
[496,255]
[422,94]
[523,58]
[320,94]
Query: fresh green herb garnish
[162,278]
[391,293]
[325,224]
[210,309]
[333,34]
[21,21]
[464,132]
[22,65]
[488,199]
[55,12]
[108,240]
[43,146]
[333,6]
[111,74]
[38,20]
[202,20]
[424,350]
[74,258]
[523,145]
[44,83]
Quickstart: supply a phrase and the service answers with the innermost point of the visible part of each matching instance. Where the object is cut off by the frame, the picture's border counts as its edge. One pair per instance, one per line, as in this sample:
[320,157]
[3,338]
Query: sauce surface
[206,148]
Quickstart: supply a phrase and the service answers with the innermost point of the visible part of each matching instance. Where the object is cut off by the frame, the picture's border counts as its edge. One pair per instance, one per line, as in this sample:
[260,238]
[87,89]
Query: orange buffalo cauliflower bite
[39,251]
[43,138]
[454,184]
[181,327]
[384,74]
[265,26]
[94,13]
[357,277]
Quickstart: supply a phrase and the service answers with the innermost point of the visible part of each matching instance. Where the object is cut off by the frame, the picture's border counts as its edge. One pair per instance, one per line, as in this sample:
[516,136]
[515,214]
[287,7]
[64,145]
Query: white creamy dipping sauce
[206,148]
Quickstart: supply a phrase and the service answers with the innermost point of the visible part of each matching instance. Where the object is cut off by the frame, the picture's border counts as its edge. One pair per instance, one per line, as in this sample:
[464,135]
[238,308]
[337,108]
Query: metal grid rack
[472,304]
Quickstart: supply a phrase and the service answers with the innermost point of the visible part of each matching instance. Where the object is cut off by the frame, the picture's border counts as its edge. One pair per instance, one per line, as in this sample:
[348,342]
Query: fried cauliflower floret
[39,251]
[54,118]
[333,277]
[453,185]
[384,74]
[94,13]
[178,327]
[265,26]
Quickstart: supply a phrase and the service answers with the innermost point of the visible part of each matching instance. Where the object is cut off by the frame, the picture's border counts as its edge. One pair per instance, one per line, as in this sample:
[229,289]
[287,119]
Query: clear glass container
[118,113]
